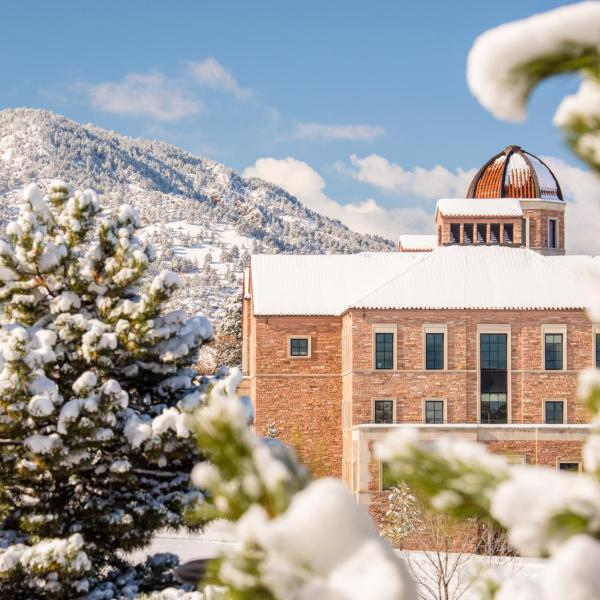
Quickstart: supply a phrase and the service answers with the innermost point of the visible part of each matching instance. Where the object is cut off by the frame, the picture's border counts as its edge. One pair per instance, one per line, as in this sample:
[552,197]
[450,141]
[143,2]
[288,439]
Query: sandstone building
[477,332]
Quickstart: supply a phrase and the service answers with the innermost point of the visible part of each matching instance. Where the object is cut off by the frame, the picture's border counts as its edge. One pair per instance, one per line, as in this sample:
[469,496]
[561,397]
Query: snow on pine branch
[505,63]
[296,541]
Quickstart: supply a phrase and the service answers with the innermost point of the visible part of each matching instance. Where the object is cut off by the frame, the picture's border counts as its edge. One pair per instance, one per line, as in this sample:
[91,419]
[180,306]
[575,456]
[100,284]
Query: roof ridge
[417,261]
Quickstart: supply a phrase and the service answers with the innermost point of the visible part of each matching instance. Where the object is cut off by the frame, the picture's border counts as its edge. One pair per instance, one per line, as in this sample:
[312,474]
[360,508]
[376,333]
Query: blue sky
[314,82]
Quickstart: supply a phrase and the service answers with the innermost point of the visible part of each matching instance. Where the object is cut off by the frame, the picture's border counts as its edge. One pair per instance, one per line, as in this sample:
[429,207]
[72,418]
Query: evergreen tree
[228,340]
[95,394]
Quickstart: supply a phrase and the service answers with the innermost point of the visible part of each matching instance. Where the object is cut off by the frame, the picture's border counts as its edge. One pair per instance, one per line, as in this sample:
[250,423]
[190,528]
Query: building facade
[478,332]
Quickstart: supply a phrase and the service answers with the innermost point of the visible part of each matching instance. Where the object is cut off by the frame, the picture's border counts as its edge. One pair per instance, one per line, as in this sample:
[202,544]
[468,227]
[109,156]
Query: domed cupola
[515,173]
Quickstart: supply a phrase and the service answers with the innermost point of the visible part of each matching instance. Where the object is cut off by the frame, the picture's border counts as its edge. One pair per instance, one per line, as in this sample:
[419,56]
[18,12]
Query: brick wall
[302,397]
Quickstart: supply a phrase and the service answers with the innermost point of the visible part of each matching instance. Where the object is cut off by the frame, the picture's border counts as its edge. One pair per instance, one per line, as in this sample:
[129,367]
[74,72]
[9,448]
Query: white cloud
[211,73]
[324,132]
[144,94]
[581,190]
[302,181]
[437,182]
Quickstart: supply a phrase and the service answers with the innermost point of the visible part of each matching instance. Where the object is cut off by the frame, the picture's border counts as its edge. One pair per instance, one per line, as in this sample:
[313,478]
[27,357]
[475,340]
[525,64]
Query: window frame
[476,235]
[508,227]
[458,239]
[385,328]
[299,337]
[498,328]
[386,399]
[550,330]
[444,410]
[473,234]
[435,328]
[498,241]
[525,228]
[568,461]
[381,488]
[564,410]
[556,242]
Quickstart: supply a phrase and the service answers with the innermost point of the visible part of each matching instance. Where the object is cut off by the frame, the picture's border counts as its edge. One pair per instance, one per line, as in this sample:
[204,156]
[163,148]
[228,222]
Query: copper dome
[514,173]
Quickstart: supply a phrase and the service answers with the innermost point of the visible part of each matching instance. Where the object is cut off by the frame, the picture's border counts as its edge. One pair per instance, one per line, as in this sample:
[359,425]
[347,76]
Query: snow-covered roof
[293,284]
[449,277]
[476,207]
[417,241]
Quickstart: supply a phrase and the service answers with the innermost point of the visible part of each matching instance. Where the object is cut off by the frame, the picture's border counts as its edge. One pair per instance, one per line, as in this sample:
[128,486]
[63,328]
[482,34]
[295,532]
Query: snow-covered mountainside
[204,218]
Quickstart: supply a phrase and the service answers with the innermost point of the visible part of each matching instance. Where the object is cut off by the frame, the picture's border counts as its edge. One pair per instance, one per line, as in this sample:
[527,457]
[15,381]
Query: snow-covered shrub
[296,540]
[96,392]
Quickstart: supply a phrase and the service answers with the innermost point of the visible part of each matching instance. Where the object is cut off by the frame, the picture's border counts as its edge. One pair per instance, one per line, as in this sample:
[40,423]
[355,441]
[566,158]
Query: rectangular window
[553,351]
[384,411]
[493,377]
[387,481]
[554,412]
[384,350]
[552,241]
[481,233]
[455,233]
[597,350]
[468,233]
[524,232]
[299,347]
[508,233]
[495,233]
[569,466]
[434,411]
[434,350]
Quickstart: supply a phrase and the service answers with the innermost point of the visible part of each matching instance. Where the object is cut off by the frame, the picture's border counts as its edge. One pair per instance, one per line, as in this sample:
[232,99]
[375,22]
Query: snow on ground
[189,546]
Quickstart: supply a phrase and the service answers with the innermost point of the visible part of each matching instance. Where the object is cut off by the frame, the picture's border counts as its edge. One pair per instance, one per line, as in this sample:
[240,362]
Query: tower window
[552,241]
[383,411]
[481,233]
[468,233]
[554,412]
[553,351]
[508,233]
[524,233]
[455,233]
[495,233]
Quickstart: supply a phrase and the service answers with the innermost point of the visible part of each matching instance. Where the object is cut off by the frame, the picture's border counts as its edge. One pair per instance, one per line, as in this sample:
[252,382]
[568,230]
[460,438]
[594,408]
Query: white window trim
[568,460]
[595,330]
[385,328]
[496,328]
[444,410]
[435,328]
[564,403]
[298,337]
[556,238]
[515,458]
[554,329]
[388,399]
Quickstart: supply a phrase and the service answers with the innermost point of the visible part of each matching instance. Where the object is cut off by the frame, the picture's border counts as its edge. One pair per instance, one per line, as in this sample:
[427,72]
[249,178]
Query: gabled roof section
[487,277]
[292,284]
[472,207]
[417,242]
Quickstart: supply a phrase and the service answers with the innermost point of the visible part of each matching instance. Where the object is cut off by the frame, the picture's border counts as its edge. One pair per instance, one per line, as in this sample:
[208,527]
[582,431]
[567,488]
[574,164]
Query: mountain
[203,218]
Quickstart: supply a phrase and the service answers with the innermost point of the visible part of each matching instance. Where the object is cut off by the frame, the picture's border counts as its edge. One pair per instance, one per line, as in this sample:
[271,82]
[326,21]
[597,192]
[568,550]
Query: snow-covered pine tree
[95,394]
[228,342]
